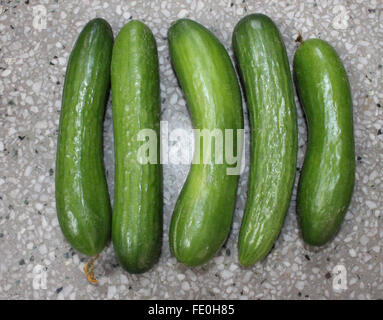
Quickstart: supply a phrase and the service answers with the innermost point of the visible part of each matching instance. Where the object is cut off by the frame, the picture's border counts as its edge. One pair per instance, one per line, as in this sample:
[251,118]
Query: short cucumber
[137,213]
[82,199]
[328,173]
[203,213]
[265,73]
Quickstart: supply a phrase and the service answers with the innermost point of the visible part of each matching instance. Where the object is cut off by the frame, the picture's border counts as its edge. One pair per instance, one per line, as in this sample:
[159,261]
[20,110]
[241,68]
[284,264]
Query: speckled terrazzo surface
[35,260]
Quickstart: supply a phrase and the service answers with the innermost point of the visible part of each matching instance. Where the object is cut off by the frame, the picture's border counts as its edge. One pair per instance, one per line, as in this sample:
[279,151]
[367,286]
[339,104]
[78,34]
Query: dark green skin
[265,74]
[137,213]
[203,213]
[82,199]
[328,173]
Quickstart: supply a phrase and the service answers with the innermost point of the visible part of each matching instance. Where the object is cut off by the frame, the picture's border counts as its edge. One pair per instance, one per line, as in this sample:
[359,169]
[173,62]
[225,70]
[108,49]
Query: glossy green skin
[82,199]
[265,74]
[203,213]
[137,213]
[328,173]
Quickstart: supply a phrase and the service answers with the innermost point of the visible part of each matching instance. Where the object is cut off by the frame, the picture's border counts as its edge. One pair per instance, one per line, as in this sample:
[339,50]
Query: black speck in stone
[231,4]
[371,10]
[11,103]
[299,294]
[10,207]
[26,202]
[32,258]
[130,287]
[58,290]
[307,257]
[228,253]
[379,132]
[58,82]
[21,138]
[12,27]
[1,234]
[26,2]
[21,262]
[39,213]
[378,105]
[51,63]
[51,172]
[66,255]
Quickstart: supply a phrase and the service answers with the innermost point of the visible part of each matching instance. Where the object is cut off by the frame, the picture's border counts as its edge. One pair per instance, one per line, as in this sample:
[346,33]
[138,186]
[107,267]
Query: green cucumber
[203,213]
[82,199]
[265,73]
[328,173]
[137,213]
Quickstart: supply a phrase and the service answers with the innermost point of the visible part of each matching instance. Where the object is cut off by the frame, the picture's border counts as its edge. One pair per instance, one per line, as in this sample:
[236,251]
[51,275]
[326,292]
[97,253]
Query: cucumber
[137,213]
[265,73]
[82,199]
[328,173]
[203,213]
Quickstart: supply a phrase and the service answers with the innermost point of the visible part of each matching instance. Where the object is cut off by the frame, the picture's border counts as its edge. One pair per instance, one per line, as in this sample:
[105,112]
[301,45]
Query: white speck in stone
[180,276]
[185,286]
[173,99]
[6,73]
[111,292]
[182,14]
[226,274]
[43,249]
[300,285]
[41,124]
[29,100]
[352,253]
[364,240]
[1,146]
[36,86]
[370,204]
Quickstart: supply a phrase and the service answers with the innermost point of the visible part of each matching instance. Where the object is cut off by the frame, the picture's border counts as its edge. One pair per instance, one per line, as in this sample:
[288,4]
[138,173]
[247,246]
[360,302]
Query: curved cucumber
[82,198]
[328,173]
[203,213]
[137,213]
[265,73]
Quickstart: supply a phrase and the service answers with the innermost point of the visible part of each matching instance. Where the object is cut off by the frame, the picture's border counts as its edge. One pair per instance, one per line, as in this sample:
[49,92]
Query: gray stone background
[35,260]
